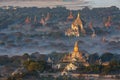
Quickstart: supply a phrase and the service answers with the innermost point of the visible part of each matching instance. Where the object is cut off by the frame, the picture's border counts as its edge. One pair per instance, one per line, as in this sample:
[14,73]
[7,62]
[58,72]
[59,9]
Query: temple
[108,22]
[70,17]
[93,30]
[76,56]
[27,20]
[47,17]
[76,28]
[42,21]
[78,23]
[74,59]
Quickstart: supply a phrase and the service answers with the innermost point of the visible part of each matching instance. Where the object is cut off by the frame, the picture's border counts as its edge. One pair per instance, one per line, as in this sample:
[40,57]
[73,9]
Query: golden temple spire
[78,16]
[76,47]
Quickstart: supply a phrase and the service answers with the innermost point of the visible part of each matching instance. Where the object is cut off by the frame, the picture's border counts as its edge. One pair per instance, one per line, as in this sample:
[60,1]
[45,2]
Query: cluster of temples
[42,21]
[77,27]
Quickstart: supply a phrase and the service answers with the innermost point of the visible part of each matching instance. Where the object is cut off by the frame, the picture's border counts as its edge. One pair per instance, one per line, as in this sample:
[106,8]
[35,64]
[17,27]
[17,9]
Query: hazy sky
[71,4]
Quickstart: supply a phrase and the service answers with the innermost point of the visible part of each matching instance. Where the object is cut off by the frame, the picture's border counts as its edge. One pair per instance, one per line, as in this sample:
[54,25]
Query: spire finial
[78,16]
[76,48]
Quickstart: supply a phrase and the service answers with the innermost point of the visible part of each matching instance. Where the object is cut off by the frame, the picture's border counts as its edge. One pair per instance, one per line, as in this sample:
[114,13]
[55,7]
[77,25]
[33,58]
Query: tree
[107,57]
[113,67]
[93,58]
[31,65]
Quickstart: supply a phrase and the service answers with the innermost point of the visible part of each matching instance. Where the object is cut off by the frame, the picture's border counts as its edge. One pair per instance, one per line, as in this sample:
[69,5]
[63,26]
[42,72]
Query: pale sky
[70,4]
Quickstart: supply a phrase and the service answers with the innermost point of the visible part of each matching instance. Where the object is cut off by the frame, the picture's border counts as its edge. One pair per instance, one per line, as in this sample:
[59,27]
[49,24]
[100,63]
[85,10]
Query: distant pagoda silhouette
[108,22]
[27,20]
[44,20]
[70,17]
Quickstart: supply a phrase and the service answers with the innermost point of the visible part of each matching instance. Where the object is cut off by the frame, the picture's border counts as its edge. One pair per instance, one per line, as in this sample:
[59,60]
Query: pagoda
[93,30]
[78,23]
[27,20]
[76,28]
[47,17]
[70,17]
[108,22]
[42,21]
[75,56]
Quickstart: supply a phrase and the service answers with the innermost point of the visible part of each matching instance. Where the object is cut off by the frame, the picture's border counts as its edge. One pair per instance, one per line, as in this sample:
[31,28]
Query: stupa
[108,22]
[70,17]
[27,20]
[75,56]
